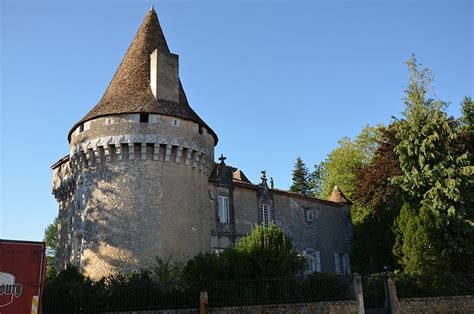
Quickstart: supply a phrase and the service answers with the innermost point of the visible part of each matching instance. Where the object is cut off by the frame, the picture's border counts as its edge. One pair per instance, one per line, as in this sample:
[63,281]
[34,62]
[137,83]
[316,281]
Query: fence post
[358,293]
[203,302]
[392,294]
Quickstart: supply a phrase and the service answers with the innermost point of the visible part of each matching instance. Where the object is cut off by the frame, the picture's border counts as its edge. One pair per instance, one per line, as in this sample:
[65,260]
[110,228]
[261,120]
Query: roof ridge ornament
[222,158]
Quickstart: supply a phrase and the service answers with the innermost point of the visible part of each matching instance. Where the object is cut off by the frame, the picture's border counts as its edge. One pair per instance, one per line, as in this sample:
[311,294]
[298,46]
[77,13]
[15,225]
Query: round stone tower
[135,183]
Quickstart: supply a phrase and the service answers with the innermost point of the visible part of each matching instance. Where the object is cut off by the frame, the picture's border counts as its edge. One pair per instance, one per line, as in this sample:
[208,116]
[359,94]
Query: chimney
[164,77]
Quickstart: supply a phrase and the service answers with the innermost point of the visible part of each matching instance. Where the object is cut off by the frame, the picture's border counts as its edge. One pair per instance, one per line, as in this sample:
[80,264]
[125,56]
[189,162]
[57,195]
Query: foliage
[434,233]
[444,284]
[265,253]
[270,252]
[164,271]
[300,178]
[316,181]
[378,203]
[51,241]
[342,164]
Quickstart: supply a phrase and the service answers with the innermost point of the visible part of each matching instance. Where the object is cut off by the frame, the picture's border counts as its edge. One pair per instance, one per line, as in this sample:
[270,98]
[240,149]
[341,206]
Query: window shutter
[336,262]
[318,261]
[347,264]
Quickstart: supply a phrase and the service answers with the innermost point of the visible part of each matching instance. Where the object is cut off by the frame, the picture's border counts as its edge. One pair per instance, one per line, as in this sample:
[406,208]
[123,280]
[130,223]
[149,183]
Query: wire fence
[154,296]
[434,285]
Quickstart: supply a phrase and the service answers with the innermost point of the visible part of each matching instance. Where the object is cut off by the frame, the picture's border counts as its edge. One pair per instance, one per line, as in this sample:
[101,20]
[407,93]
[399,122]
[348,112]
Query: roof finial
[264,175]
[272,184]
[222,158]
[152,8]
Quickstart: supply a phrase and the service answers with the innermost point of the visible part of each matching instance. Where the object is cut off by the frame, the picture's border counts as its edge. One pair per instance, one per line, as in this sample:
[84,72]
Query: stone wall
[324,234]
[313,308]
[319,307]
[453,304]
[140,195]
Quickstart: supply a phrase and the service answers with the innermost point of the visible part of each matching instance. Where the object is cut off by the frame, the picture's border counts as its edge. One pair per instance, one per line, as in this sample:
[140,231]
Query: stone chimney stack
[164,75]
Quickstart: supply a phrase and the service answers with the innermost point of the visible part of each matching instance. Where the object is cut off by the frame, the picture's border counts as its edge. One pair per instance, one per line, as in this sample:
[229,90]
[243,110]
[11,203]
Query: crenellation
[143,151]
[188,154]
[179,153]
[118,151]
[168,152]
[131,151]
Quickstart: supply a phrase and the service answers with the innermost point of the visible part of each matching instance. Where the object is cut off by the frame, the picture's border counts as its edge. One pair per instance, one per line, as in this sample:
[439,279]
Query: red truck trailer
[22,273]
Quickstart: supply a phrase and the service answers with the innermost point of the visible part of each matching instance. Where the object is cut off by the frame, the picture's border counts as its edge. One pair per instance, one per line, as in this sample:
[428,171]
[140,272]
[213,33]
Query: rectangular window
[144,117]
[313,261]
[308,215]
[223,209]
[341,261]
[264,215]
[81,128]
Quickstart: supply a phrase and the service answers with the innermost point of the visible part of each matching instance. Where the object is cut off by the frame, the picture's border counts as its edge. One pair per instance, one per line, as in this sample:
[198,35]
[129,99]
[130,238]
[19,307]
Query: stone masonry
[140,180]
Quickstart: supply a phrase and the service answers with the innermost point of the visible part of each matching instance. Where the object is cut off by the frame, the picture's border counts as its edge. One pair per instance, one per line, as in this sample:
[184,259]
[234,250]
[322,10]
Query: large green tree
[434,233]
[342,164]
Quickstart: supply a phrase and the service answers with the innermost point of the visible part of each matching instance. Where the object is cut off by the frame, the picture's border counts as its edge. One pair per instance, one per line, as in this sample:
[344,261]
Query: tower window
[200,129]
[264,215]
[81,128]
[223,209]
[144,117]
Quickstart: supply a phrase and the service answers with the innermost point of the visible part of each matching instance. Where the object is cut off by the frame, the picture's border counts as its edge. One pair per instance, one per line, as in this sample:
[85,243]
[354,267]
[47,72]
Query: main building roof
[130,91]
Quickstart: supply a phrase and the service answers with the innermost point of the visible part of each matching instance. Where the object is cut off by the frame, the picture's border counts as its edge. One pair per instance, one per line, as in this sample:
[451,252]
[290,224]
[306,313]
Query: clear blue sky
[274,79]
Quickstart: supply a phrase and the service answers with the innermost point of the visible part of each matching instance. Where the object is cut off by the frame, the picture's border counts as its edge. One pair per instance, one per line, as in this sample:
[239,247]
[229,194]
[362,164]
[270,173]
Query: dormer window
[144,117]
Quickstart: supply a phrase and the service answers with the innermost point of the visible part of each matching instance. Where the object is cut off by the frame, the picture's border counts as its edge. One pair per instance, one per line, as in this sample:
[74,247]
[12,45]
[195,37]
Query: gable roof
[129,90]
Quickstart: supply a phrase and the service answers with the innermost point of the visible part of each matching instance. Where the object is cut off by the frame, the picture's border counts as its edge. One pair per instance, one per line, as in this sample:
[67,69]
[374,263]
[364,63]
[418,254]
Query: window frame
[308,212]
[223,212]
[265,220]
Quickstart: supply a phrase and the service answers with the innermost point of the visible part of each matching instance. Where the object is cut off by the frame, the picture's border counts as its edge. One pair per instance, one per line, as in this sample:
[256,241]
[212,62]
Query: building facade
[140,180]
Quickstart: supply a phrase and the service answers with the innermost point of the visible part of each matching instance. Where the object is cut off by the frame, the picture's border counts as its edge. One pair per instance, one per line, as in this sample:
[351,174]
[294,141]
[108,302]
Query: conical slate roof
[338,197]
[130,91]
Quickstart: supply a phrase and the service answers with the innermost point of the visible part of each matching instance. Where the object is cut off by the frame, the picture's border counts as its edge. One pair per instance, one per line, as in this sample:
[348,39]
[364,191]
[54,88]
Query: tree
[271,251]
[266,252]
[378,203]
[51,241]
[434,233]
[300,178]
[316,181]
[344,161]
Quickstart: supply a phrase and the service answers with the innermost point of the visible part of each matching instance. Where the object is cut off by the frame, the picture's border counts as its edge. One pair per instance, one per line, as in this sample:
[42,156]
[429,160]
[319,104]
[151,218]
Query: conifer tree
[433,231]
[300,178]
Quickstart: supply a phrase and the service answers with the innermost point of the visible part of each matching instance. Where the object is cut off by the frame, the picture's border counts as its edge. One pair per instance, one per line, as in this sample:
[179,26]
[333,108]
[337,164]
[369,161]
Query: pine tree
[433,232]
[300,178]
[316,181]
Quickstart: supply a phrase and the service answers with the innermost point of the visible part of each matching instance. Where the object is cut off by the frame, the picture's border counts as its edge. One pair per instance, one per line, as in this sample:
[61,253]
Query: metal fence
[434,285]
[153,296]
